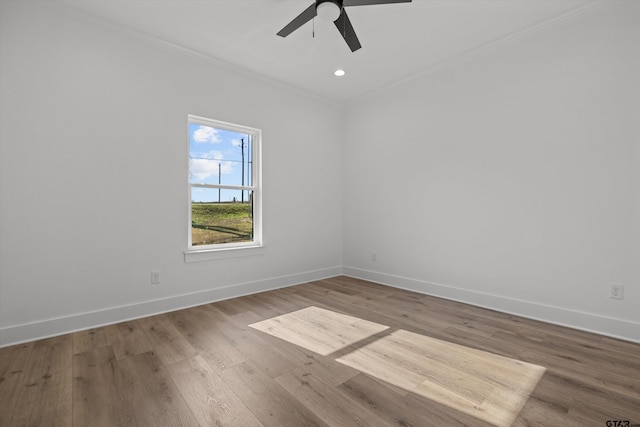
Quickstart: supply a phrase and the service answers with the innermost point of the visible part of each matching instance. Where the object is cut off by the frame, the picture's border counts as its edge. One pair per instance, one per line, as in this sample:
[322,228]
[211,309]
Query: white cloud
[206,134]
[203,169]
[213,155]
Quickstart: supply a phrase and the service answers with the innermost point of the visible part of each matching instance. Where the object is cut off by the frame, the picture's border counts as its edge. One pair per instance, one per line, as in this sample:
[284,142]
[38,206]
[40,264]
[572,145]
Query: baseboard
[616,328]
[62,325]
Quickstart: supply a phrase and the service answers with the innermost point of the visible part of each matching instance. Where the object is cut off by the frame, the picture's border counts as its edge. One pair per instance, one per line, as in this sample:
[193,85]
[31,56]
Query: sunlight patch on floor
[319,330]
[487,386]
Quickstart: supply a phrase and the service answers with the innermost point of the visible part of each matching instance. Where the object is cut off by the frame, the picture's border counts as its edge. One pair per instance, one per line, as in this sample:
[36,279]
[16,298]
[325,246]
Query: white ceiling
[398,40]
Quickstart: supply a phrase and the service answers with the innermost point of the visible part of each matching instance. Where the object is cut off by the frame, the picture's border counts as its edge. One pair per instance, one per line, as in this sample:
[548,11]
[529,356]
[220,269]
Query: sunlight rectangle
[487,386]
[319,330]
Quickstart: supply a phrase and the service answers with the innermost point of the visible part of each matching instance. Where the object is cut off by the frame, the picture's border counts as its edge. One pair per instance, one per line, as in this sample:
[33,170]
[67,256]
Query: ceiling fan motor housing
[329,9]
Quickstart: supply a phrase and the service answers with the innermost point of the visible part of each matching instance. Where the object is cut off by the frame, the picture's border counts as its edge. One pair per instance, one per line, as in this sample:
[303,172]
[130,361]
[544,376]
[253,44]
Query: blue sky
[216,154]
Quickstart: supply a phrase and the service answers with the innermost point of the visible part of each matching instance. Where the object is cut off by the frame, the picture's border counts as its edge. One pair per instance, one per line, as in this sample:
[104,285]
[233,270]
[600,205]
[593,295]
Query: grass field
[214,223]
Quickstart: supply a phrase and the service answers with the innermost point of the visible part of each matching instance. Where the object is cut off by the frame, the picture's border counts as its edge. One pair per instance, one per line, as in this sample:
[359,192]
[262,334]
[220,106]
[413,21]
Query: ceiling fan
[334,10]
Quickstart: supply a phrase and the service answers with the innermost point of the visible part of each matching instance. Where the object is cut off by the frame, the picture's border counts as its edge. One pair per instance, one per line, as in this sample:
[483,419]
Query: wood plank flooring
[207,366]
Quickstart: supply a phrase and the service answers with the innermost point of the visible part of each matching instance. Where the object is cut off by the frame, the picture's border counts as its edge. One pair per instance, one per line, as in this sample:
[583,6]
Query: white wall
[93,194]
[509,180]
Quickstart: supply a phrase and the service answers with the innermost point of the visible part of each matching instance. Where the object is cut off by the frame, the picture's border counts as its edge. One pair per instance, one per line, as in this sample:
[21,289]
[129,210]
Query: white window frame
[228,250]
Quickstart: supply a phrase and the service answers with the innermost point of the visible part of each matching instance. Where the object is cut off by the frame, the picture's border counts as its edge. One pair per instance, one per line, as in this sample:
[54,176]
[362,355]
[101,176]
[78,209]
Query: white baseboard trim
[612,327]
[17,334]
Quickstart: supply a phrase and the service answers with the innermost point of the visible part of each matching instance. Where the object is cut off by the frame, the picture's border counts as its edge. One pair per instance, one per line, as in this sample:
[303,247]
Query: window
[224,185]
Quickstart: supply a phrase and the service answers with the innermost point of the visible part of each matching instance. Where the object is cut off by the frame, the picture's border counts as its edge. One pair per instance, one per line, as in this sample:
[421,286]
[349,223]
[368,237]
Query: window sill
[198,255]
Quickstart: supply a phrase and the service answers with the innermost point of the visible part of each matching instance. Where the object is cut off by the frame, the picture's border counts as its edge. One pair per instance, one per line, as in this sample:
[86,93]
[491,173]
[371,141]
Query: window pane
[221,216]
[218,156]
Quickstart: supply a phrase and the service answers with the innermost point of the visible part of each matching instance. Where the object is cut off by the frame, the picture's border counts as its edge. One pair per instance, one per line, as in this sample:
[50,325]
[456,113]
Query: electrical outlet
[155,277]
[616,291]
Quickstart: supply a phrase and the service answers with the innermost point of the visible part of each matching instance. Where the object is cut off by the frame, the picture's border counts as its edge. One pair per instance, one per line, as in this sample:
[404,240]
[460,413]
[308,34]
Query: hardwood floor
[382,357]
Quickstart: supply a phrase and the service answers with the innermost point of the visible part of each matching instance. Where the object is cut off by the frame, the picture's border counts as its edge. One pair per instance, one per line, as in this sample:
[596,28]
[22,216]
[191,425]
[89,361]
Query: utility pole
[219,178]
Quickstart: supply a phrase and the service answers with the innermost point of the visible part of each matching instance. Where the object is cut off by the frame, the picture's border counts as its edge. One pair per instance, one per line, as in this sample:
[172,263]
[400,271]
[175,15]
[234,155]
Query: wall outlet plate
[616,291]
[155,277]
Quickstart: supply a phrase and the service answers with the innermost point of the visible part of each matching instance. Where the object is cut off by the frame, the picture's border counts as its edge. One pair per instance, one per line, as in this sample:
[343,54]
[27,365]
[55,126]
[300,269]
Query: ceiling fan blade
[369,2]
[343,24]
[299,21]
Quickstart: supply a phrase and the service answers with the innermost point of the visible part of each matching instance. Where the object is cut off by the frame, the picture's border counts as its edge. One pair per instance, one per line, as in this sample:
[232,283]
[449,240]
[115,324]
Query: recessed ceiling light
[339,73]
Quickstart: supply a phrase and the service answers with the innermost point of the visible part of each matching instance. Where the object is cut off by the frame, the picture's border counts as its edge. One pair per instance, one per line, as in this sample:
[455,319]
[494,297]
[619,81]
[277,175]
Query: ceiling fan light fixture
[339,73]
[328,10]
[333,10]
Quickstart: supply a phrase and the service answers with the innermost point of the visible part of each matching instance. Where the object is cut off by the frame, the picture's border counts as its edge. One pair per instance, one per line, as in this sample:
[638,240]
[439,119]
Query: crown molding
[174,48]
[510,39]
